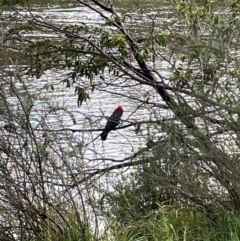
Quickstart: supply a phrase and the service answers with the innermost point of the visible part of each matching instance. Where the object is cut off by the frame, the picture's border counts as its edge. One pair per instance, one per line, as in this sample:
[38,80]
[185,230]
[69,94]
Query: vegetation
[174,174]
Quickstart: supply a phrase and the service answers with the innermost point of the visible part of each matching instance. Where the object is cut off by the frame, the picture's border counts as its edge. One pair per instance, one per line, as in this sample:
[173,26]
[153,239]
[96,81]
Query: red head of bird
[119,110]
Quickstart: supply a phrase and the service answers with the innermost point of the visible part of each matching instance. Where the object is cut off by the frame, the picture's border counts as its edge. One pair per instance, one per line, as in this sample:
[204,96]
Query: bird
[112,122]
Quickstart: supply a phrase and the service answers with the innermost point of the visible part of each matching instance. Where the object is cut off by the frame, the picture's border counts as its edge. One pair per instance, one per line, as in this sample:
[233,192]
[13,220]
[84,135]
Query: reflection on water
[92,115]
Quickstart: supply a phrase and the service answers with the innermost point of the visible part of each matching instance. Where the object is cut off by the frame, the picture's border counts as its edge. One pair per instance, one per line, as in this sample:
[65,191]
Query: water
[74,151]
[92,114]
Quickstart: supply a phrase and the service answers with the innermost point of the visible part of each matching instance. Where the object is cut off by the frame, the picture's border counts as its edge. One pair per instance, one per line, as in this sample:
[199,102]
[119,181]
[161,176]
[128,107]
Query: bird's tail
[104,135]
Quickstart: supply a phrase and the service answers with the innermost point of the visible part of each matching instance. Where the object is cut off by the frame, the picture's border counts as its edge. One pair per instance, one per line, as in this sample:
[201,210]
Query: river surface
[92,114]
[88,151]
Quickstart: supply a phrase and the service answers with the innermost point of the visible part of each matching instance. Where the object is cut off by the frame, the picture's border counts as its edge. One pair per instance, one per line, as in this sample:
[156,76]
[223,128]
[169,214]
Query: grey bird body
[112,122]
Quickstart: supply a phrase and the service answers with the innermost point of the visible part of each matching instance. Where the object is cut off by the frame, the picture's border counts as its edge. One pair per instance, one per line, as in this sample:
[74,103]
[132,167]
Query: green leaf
[82,95]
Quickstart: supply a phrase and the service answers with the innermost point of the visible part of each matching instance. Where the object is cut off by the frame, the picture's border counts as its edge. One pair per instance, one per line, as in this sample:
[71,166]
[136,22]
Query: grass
[180,225]
[169,224]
